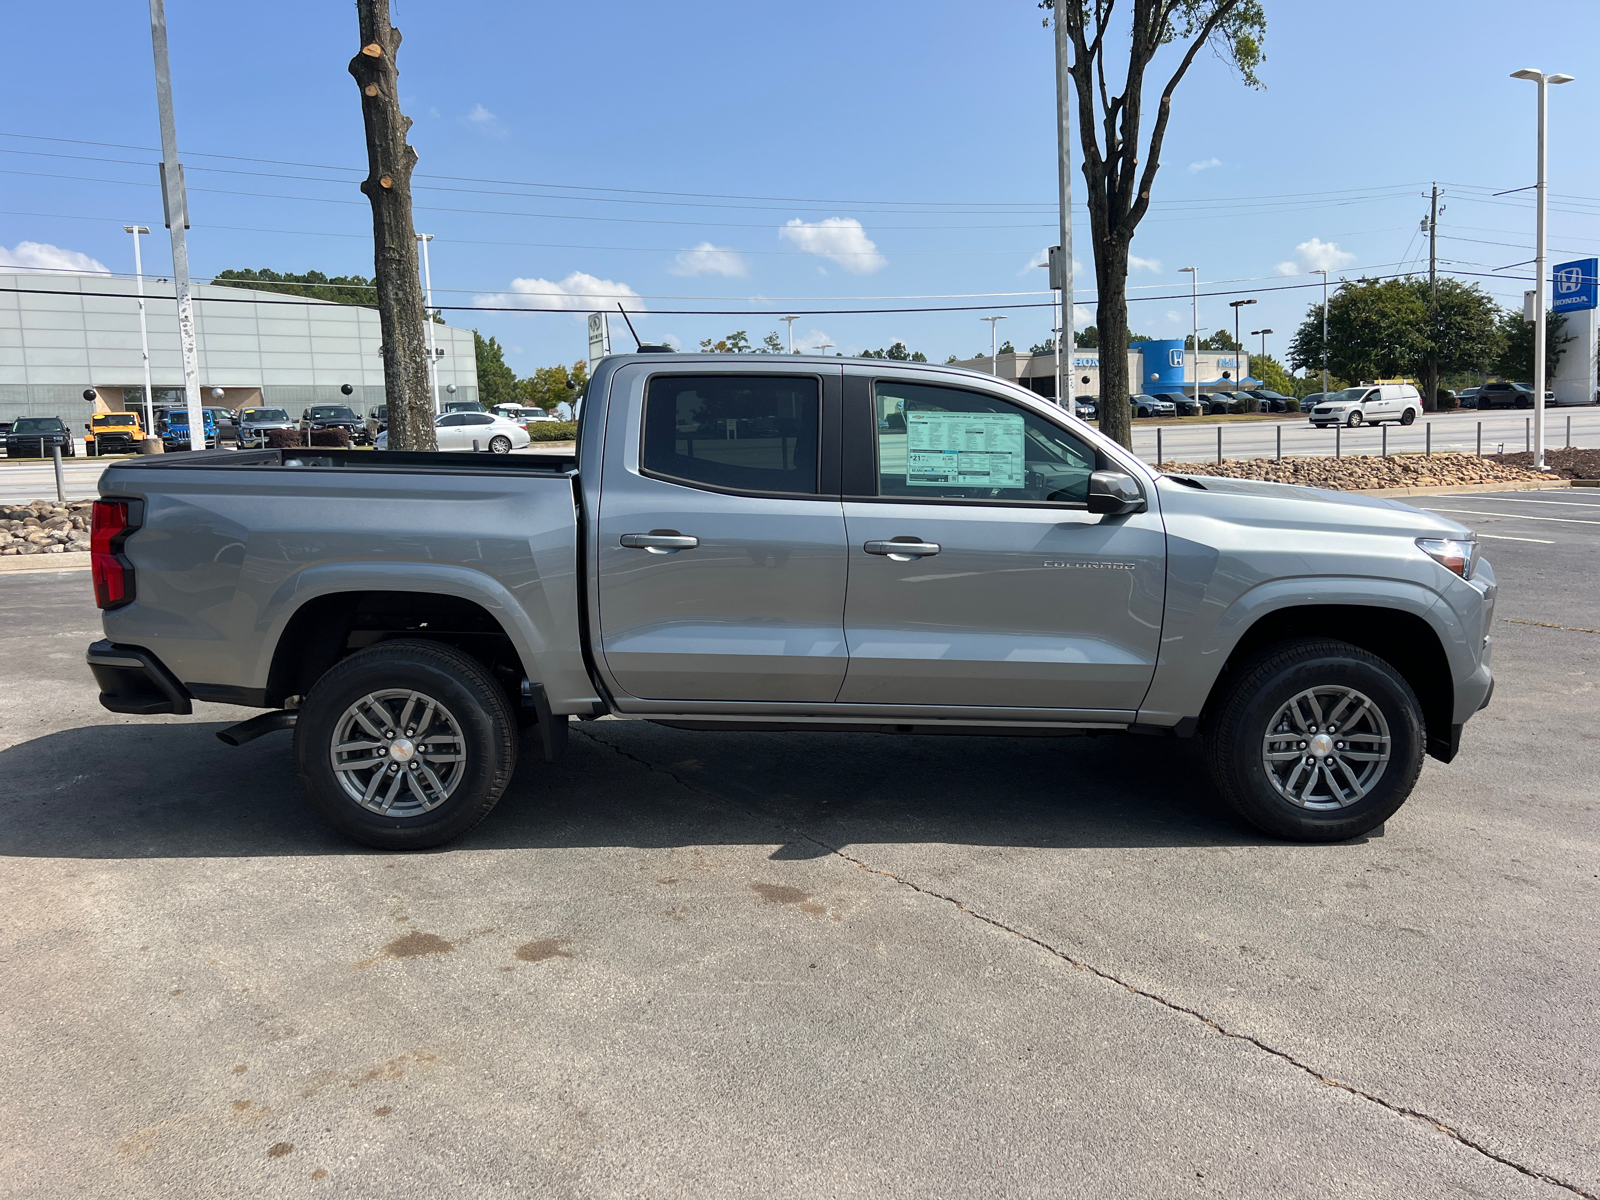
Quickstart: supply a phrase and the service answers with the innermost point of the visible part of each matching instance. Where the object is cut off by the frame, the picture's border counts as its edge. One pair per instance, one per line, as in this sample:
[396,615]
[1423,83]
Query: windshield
[331,412]
[116,419]
[37,425]
[263,414]
[1348,394]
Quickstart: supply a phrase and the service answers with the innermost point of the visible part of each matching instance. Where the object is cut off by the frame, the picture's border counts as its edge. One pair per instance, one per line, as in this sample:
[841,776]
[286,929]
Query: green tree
[899,353]
[341,289]
[497,383]
[1376,329]
[1119,170]
[772,344]
[737,342]
[1462,334]
[1218,341]
[1514,357]
[1048,346]
[1087,338]
[550,387]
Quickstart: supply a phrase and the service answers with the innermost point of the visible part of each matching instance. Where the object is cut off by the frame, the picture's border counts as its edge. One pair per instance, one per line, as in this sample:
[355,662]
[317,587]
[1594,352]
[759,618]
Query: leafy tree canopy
[899,353]
[1513,358]
[497,383]
[1382,329]
[341,289]
[737,342]
[550,387]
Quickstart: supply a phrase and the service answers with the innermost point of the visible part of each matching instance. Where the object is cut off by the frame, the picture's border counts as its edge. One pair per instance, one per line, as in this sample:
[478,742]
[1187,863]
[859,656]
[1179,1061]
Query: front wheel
[1408,417]
[405,745]
[1316,741]
[499,444]
[1524,402]
[1355,420]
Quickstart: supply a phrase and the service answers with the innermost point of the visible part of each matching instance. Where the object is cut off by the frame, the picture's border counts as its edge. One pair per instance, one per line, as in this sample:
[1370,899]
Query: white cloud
[1316,255]
[1081,316]
[813,341]
[482,119]
[1204,165]
[1041,258]
[707,259]
[1175,318]
[839,239]
[42,256]
[1135,263]
[578,292]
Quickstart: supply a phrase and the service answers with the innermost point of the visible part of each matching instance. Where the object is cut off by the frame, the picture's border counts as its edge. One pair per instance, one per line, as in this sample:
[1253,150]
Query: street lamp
[144,332]
[1324,275]
[824,347]
[433,357]
[1263,333]
[791,321]
[1194,275]
[1236,305]
[1541,284]
[994,355]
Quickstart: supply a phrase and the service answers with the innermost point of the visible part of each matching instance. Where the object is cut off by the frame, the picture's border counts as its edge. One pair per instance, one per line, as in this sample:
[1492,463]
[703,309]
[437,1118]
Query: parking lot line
[1478,512]
[1519,500]
[1506,537]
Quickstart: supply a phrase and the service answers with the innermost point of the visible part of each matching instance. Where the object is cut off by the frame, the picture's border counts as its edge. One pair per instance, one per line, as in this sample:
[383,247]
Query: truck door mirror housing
[1115,494]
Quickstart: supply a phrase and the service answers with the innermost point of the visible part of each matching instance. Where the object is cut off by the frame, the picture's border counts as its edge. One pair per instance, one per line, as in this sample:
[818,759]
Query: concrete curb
[21,564]
[1526,485]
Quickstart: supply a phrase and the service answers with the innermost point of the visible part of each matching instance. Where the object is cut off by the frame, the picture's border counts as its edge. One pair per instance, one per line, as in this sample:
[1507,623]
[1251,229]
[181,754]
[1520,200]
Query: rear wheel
[500,444]
[405,745]
[1409,416]
[1316,741]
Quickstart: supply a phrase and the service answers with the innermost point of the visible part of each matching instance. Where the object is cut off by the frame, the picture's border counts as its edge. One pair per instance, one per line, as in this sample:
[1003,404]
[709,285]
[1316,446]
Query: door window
[477,419]
[939,443]
[452,420]
[747,433]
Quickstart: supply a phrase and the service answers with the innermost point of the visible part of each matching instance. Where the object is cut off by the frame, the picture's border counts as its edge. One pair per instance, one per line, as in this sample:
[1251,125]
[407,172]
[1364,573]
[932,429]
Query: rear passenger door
[720,546]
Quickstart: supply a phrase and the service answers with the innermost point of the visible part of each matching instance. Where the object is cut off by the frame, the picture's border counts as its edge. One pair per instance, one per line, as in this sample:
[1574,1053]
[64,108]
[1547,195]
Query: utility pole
[1430,375]
[1066,341]
[144,330]
[177,213]
[433,355]
[1324,275]
[394,237]
[791,321]
[1194,275]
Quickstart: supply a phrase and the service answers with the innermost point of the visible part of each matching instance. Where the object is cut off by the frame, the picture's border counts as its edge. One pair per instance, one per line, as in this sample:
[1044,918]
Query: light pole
[824,347]
[1063,272]
[1541,284]
[433,357]
[144,331]
[1236,305]
[1263,333]
[994,355]
[1194,275]
[1324,275]
[791,321]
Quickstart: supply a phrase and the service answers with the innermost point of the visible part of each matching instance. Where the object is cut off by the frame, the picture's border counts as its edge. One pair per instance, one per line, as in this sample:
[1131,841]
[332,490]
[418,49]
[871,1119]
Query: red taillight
[113,576]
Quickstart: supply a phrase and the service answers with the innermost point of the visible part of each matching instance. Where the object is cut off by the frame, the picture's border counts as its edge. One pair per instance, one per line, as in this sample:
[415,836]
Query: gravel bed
[45,527]
[1362,472]
[1569,464]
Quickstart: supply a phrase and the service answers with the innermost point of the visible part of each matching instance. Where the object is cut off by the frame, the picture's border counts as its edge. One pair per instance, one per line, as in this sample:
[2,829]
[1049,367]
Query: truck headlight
[1458,555]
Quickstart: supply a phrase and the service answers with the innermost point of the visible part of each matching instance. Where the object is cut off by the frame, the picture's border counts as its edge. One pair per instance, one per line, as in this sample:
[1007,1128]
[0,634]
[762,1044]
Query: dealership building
[63,334]
[1159,366]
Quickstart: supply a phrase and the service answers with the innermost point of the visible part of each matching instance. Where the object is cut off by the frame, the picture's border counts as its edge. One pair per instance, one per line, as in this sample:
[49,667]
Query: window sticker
[965,449]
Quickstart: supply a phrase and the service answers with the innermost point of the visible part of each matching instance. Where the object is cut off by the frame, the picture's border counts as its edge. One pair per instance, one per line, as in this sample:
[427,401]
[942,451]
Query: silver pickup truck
[792,543]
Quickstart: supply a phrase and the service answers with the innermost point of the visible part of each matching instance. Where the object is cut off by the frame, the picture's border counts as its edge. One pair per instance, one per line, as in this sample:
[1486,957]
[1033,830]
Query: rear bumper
[132,680]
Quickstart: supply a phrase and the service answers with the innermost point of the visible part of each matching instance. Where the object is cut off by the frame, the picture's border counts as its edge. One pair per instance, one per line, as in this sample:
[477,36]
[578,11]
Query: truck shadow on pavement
[170,790]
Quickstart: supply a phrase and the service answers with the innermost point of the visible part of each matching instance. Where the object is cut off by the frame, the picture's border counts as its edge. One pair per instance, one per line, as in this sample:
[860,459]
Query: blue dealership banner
[1573,285]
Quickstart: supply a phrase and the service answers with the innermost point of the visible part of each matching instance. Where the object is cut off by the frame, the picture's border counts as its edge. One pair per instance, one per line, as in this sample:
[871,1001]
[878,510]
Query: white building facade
[1158,366]
[63,334]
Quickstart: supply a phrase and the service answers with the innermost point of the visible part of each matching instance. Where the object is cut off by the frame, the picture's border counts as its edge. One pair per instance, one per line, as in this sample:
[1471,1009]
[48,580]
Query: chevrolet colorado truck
[791,543]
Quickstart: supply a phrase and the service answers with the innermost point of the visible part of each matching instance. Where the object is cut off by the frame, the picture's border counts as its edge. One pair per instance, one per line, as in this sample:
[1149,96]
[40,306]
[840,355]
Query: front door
[720,545]
[978,577]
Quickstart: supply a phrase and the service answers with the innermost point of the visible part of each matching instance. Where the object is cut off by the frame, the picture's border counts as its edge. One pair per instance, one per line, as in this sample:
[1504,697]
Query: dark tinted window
[37,425]
[331,412]
[742,432]
[477,419]
[942,443]
[452,419]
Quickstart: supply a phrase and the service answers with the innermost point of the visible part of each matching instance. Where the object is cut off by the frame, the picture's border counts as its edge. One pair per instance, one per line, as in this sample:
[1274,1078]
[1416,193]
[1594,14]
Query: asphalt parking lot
[688,964]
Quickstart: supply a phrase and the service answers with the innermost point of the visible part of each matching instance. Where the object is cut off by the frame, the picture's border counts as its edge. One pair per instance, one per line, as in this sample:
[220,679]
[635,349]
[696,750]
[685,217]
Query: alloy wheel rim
[398,753]
[1326,748]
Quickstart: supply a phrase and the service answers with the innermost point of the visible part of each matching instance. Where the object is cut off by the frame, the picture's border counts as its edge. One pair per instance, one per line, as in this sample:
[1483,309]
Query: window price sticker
[964,449]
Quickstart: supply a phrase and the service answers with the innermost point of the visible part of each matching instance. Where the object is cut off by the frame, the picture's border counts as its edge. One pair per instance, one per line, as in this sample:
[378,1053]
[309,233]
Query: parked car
[39,437]
[1182,405]
[1086,410]
[1376,404]
[428,606]
[1216,403]
[1501,394]
[334,416]
[474,431]
[1467,397]
[113,433]
[522,413]
[227,425]
[1271,401]
[255,423]
[377,421]
[466,406]
[172,424]
[1149,406]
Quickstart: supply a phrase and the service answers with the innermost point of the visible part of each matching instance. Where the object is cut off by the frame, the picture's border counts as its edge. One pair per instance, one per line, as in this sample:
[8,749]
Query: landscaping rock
[1355,473]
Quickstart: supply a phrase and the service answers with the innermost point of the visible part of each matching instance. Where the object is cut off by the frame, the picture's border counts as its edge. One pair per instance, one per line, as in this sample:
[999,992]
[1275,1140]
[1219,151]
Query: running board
[249,731]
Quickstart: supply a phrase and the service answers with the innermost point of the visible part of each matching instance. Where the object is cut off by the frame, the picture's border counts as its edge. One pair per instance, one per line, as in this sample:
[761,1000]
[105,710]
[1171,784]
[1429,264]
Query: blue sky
[772,159]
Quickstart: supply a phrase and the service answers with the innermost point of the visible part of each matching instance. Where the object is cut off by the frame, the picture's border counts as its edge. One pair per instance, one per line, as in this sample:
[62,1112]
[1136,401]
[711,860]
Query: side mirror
[1115,493]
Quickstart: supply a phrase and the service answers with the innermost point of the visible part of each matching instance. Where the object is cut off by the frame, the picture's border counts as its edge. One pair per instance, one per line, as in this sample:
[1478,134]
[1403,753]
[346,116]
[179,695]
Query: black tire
[499,444]
[1355,420]
[479,706]
[89,450]
[1243,716]
[1524,402]
[1408,417]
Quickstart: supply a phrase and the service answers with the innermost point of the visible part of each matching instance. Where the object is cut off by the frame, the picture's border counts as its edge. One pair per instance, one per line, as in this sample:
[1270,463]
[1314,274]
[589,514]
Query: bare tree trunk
[1111,316]
[394,239]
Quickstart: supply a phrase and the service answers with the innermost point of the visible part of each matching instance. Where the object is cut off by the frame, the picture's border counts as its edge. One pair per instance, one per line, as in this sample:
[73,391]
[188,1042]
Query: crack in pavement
[1172,1005]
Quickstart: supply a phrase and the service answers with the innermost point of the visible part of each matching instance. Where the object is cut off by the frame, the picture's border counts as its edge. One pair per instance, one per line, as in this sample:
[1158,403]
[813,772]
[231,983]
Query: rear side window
[748,433]
[939,443]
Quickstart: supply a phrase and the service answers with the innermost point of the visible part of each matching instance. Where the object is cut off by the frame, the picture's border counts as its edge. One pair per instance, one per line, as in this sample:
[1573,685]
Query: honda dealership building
[63,334]
[1160,366]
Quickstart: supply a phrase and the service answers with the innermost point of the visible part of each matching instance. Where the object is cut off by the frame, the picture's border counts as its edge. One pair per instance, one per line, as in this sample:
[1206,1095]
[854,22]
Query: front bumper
[132,680]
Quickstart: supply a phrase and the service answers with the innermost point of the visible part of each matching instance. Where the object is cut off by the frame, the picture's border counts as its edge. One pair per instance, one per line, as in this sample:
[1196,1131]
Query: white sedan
[473,431]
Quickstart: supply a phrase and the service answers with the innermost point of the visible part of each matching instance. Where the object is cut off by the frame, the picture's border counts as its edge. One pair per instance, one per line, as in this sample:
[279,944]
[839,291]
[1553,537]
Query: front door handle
[902,549]
[660,541]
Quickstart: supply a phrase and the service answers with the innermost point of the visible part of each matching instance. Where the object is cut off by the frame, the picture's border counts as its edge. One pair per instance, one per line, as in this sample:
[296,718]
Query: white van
[1372,404]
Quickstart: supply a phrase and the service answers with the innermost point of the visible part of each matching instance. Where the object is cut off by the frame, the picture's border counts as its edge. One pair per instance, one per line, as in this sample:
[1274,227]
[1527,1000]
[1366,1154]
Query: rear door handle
[660,541]
[902,549]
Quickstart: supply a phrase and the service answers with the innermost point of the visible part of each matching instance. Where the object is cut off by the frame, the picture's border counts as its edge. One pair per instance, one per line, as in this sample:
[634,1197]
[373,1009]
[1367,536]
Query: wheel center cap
[1322,745]
[402,750]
